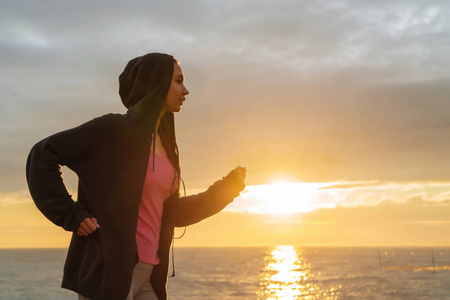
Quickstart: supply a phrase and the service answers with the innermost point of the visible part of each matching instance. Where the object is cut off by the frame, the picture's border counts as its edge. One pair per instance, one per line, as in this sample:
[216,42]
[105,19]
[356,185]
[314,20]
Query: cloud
[417,221]
[295,197]
[348,90]
[15,198]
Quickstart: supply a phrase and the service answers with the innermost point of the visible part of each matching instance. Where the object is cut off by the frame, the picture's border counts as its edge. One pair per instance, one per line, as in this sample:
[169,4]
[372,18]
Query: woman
[128,195]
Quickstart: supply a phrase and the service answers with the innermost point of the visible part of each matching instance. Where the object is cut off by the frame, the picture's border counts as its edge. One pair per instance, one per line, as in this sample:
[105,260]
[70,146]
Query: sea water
[279,272]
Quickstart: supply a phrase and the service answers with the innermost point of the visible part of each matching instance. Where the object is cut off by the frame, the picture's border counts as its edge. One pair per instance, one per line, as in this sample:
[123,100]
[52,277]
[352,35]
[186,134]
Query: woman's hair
[168,139]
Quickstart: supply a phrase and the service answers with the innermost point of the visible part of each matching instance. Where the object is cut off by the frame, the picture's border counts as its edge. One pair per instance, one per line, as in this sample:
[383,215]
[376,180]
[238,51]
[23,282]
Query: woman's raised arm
[193,209]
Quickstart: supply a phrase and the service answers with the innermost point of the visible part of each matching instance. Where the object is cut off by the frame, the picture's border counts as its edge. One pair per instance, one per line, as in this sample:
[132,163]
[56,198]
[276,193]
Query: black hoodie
[110,156]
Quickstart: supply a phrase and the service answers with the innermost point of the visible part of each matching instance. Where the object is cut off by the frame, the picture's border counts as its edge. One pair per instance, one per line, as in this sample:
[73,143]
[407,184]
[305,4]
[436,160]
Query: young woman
[128,194]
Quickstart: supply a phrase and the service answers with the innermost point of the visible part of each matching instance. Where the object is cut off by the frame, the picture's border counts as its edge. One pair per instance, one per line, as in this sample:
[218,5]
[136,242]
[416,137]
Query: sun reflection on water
[287,276]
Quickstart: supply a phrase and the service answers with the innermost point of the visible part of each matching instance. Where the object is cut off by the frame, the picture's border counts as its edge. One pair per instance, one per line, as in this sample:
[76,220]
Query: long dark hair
[167,133]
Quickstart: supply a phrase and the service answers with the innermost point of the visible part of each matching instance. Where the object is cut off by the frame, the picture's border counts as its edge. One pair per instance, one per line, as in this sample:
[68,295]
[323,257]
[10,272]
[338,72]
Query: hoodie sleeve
[193,209]
[44,177]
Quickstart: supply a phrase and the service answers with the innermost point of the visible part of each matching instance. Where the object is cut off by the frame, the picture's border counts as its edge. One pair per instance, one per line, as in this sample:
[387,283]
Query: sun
[282,197]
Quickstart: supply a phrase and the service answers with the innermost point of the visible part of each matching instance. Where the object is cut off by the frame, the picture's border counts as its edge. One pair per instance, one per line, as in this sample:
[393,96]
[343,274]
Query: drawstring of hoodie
[173,233]
[154,148]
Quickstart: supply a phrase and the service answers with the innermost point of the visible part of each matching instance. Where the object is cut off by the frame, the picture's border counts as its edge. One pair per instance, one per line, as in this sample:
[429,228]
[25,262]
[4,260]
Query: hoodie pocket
[90,260]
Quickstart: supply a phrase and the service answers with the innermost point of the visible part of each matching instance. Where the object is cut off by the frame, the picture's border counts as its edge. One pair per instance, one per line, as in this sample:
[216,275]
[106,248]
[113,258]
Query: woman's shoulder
[111,118]
[108,120]
[96,128]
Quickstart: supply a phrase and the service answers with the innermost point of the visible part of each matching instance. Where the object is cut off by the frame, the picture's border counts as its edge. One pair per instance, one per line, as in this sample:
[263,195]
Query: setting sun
[284,197]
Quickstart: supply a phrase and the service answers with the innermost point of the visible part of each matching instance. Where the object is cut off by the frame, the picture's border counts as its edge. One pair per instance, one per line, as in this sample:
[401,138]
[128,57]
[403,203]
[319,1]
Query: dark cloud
[342,90]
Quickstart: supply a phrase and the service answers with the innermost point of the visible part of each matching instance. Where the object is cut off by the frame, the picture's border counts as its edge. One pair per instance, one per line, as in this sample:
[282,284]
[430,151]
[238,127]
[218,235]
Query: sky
[337,109]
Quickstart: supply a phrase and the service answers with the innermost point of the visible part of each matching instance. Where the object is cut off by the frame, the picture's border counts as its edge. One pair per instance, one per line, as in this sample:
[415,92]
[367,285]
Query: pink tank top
[157,188]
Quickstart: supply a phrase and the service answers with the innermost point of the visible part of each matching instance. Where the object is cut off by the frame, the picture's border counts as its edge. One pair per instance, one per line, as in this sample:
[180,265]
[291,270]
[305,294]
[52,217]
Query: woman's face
[177,91]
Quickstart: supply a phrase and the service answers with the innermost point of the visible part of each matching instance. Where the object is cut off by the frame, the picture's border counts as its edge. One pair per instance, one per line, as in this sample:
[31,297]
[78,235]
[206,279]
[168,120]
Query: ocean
[281,272]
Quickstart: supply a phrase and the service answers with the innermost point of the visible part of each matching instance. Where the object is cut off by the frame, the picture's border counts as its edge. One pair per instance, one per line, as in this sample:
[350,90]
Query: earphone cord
[173,233]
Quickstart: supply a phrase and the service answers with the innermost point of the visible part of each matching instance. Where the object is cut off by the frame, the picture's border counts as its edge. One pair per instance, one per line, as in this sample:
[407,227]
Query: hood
[148,76]
[143,87]
[144,84]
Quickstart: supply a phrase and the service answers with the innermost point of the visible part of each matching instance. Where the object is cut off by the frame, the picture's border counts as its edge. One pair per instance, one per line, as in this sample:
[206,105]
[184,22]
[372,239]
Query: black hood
[143,87]
[148,76]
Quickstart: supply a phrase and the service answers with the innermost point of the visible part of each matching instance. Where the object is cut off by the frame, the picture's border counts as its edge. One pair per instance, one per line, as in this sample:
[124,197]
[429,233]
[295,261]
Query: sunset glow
[338,110]
[284,197]
[308,213]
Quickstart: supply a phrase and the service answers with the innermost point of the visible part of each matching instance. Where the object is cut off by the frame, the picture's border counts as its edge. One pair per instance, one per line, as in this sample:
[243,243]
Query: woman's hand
[241,173]
[88,226]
